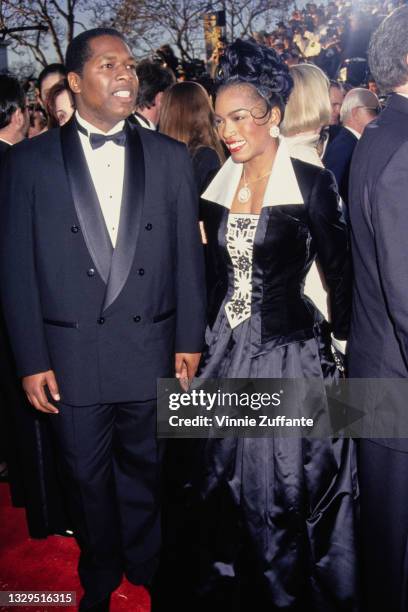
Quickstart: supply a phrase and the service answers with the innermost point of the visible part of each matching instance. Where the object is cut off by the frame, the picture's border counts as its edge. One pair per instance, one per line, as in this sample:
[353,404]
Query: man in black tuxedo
[360,106]
[378,345]
[103,290]
[14,120]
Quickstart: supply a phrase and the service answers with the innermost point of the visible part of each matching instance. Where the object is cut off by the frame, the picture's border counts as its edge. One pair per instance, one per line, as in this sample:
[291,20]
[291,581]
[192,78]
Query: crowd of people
[330,35]
[250,226]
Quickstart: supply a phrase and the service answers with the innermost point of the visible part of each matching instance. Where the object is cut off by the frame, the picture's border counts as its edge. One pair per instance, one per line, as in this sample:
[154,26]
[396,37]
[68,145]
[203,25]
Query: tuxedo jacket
[338,159]
[107,321]
[378,205]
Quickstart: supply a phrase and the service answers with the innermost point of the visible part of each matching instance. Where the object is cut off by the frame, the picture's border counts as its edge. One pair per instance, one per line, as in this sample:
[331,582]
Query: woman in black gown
[271,520]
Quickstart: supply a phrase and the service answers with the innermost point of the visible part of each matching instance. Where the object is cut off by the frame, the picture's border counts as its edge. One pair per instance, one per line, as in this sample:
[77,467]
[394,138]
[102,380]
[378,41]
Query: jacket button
[91,272]
[74,229]
[101,320]
[141,271]
[148,226]
[137,319]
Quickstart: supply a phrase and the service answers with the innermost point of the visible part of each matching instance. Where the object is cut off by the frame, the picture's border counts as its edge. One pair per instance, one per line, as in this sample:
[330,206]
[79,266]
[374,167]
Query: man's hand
[34,387]
[186,367]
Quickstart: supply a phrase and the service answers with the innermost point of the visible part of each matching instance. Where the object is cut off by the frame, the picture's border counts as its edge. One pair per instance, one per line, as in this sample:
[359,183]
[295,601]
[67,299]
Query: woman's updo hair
[247,62]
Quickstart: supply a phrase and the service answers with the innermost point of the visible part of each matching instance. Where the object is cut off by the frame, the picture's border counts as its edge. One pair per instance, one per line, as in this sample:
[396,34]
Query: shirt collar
[144,121]
[6,141]
[282,186]
[91,129]
[354,132]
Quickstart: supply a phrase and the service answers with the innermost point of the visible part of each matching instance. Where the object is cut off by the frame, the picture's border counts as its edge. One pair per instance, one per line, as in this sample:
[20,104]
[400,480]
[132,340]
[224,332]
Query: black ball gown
[268,524]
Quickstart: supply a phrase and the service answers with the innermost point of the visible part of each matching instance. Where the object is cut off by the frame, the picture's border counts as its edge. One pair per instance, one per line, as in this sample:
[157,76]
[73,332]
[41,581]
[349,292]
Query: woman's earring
[274,131]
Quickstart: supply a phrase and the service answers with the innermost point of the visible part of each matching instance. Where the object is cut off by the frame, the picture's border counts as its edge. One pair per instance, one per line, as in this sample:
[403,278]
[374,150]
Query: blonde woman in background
[308,110]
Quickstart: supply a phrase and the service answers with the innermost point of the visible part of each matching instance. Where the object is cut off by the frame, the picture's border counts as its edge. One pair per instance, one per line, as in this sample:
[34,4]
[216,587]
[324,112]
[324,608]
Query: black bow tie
[98,140]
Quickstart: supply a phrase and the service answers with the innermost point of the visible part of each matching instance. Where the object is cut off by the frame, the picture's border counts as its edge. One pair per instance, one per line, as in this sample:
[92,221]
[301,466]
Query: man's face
[106,91]
[373,87]
[336,100]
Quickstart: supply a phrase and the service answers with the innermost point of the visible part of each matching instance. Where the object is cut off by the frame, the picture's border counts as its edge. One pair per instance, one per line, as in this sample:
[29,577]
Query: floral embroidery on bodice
[240,238]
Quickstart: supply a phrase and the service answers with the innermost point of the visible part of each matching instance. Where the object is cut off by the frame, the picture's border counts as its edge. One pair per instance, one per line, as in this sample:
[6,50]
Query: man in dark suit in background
[359,107]
[336,93]
[13,128]
[14,122]
[378,344]
[103,290]
[154,79]
[14,119]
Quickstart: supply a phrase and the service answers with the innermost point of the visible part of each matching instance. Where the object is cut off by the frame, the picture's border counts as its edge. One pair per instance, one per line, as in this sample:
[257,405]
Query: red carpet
[47,565]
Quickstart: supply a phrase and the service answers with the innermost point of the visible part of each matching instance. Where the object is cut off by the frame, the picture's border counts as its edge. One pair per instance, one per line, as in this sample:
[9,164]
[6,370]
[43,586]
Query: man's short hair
[359,97]
[12,97]
[51,69]
[78,51]
[153,79]
[388,50]
[336,85]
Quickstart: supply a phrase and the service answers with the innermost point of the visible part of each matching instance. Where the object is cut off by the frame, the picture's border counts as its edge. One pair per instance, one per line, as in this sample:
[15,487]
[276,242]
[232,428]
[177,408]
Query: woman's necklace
[245,194]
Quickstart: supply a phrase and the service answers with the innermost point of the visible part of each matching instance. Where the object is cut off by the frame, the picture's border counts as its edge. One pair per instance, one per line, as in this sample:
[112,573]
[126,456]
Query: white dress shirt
[107,167]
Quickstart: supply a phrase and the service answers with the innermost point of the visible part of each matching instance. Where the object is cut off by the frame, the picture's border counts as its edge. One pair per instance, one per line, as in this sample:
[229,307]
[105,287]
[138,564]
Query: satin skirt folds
[277,516]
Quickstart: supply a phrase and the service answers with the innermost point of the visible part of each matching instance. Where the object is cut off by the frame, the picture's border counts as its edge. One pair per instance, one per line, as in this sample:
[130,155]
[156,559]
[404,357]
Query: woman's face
[46,85]
[241,123]
[64,108]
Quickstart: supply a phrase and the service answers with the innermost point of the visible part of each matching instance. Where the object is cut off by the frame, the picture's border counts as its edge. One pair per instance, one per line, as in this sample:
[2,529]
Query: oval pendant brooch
[244,194]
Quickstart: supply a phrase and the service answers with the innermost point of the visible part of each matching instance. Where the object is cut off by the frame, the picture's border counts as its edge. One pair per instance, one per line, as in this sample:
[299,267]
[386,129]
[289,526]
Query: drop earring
[274,131]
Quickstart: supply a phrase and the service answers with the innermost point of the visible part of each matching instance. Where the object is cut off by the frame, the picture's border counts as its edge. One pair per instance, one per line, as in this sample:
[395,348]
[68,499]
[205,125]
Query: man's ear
[74,82]
[158,99]
[17,119]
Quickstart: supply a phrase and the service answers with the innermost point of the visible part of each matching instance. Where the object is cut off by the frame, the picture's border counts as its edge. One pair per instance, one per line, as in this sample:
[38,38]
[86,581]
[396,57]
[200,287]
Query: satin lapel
[130,216]
[86,201]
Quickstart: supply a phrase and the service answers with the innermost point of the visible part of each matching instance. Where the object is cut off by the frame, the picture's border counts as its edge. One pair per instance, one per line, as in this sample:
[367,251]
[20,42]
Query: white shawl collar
[282,186]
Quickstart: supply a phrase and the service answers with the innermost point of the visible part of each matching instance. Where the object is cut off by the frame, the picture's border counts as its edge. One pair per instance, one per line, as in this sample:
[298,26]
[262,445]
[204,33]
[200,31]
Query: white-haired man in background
[359,107]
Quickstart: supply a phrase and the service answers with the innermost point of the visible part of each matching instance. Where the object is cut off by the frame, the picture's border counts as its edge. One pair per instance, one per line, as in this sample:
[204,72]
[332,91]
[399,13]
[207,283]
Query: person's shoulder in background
[206,164]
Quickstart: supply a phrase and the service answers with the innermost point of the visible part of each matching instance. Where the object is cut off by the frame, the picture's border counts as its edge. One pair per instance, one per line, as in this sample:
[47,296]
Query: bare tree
[43,25]
[129,17]
[243,17]
[38,25]
[150,23]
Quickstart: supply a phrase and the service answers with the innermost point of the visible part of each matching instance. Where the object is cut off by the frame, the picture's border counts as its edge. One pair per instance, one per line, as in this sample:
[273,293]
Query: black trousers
[26,444]
[383,475]
[111,462]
